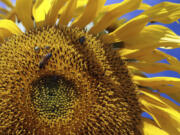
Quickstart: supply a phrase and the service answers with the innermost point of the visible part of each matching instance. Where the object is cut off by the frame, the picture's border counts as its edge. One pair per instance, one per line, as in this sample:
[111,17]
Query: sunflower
[76,68]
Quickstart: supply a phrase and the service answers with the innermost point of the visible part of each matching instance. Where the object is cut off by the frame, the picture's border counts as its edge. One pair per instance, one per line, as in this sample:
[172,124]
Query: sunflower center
[64,80]
[53,96]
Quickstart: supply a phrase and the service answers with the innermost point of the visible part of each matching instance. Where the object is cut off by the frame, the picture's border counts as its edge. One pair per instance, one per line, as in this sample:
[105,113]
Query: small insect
[36,49]
[47,47]
[44,60]
[82,40]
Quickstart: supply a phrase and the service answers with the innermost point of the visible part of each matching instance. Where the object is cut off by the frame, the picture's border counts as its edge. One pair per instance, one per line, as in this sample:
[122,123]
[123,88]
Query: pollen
[62,81]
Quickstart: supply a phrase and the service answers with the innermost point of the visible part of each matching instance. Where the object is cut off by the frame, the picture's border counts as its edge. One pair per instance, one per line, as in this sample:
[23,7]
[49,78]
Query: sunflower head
[66,80]
[57,78]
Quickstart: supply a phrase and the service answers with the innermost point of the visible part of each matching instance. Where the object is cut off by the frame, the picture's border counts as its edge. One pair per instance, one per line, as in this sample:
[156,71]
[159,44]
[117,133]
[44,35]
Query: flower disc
[61,80]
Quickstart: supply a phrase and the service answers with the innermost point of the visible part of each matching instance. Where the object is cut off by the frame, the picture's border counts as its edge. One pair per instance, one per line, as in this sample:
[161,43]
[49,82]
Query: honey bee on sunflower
[59,79]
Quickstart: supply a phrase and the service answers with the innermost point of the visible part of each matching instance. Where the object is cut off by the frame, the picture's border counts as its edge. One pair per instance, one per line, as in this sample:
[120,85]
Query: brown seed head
[82,89]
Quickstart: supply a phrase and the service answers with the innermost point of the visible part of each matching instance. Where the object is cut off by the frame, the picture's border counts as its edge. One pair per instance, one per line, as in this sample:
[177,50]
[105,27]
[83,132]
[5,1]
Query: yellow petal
[79,8]
[7,28]
[124,32]
[116,24]
[169,90]
[45,12]
[174,63]
[172,60]
[146,54]
[10,26]
[150,55]
[3,10]
[156,81]
[40,9]
[8,3]
[127,30]
[144,6]
[151,67]
[4,34]
[81,3]
[2,16]
[135,71]
[24,13]
[67,14]
[175,95]
[106,9]
[165,12]
[123,8]
[91,10]
[52,14]
[134,53]
[168,85]
[148,127]
[154,36]
[110,7]
[165,113]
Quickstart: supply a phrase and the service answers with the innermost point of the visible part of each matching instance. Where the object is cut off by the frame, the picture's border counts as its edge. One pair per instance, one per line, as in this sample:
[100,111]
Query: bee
[82,40]
[47,47]
[44,60]
[36,49]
